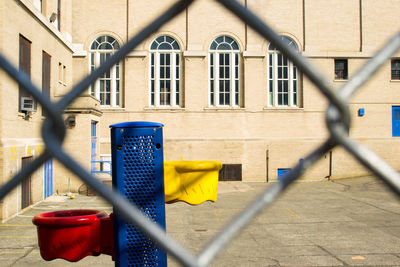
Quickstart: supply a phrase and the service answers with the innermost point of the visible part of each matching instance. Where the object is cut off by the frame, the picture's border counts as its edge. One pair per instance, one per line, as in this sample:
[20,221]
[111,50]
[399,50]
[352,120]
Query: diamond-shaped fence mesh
[337,119]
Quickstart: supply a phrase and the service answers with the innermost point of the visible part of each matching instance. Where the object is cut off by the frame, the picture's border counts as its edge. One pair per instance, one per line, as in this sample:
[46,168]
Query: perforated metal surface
[137,157]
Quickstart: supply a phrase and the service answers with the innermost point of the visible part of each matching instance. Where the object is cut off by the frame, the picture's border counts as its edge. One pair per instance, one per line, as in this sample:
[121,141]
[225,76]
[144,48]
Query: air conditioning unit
[27,104]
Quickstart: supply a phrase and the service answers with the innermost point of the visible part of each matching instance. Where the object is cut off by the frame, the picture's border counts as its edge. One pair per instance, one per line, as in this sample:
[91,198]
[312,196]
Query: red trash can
[69,234]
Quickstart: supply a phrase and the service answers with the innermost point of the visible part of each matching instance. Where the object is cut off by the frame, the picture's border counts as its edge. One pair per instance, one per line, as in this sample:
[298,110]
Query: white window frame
[38,5]
[293,76]
[115,72]
[175,75]
[235,88]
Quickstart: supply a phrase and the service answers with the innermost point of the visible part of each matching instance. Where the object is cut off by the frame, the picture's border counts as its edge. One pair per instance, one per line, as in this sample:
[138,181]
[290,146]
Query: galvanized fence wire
[337,119]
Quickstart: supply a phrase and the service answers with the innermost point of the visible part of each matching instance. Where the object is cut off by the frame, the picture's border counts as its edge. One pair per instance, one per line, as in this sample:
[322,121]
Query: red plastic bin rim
[69,217]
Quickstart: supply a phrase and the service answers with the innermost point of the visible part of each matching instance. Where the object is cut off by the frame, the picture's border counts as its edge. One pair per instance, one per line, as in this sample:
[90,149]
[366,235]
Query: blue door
[93,140]
[48,178]
[395,121]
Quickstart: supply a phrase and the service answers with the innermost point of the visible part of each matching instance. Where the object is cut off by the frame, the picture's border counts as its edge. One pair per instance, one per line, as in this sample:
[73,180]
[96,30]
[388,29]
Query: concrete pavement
[347,222]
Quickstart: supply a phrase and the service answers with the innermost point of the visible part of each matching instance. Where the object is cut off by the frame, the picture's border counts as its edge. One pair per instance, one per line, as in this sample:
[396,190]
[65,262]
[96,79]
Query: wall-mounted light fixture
[53,17]
[70,121]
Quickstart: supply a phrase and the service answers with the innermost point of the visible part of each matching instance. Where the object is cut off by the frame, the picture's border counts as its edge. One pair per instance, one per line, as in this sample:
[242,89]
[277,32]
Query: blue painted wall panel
[282,172]
[395,121]
[48,178]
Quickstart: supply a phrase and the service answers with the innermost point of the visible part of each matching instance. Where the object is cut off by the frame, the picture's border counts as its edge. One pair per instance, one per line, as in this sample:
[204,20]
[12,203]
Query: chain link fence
[337,120]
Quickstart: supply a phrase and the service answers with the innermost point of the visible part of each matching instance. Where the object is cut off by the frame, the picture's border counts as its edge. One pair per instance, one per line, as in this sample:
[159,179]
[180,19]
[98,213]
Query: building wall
[322,30]
[262,139]
[77,145]
[323,35]
[379,22]
[20,133]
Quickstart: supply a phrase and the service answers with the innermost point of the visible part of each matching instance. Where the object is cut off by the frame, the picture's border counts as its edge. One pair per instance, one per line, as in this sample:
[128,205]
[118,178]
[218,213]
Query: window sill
[283,109]
[164,109]
[395,81]
[344,80]
[111,109]
[224,109]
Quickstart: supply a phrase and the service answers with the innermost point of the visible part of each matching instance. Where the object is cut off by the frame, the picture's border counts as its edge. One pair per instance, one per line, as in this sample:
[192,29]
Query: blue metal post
[138,174]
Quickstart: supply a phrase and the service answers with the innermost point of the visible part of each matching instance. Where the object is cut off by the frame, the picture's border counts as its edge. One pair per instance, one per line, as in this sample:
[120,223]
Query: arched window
[165,72]
[108,87]
[224,82]
[283,77]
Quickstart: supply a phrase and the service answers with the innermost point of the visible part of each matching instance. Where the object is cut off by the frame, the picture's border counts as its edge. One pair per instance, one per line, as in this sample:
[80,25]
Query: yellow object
[71,196]
[191,181]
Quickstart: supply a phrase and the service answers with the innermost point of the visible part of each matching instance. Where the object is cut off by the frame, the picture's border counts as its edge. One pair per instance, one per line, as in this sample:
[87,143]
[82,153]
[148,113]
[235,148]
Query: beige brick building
[43,49]
[222,91]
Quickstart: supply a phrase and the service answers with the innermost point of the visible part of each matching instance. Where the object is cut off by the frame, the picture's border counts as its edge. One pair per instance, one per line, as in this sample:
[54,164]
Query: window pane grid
[283,81]
[294,85]
[165,72]
[165,79]
[224,72]
[107,88]
[117,93]
[164,43]
[340,69]
[282,77]
[224,79]
[105,82]
[270,80]
[237,79]
[92,67]
[105,91]
[177,80]
[395,69]
[212,79]
[224,43]
[395,74]
[152,78]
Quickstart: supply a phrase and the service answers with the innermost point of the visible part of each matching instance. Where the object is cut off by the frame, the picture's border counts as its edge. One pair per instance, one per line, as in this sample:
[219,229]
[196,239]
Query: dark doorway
[46,61]
[24,64]
[26,187]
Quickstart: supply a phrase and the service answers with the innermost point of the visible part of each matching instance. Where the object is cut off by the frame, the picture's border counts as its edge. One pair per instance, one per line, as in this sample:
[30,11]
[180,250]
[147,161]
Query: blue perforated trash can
[138,174]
